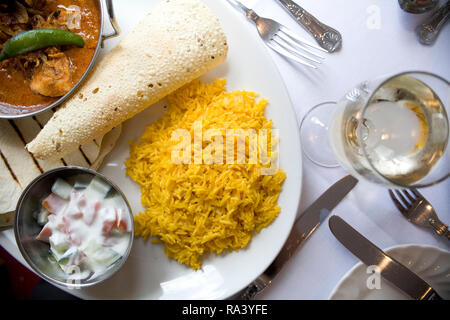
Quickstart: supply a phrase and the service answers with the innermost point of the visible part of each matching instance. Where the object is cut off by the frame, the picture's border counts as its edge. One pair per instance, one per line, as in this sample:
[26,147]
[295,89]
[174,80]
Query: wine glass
[392,130]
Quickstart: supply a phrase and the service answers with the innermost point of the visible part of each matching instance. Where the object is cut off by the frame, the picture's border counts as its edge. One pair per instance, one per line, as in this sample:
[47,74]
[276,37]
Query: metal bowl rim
[116,266]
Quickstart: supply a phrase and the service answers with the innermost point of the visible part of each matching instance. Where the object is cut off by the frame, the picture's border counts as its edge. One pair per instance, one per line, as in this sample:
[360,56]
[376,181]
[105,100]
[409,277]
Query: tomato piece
[74,239]
[90,212]
[64,226]
[79,258]
[45,233]
[109,217]
[53,203]
[122,220]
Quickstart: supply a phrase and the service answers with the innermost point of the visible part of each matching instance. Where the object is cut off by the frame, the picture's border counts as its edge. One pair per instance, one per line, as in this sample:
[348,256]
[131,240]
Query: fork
[418,210]
[282,40]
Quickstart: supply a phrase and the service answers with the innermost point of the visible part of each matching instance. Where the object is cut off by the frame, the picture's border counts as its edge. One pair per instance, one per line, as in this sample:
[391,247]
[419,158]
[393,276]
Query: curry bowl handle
[112,20]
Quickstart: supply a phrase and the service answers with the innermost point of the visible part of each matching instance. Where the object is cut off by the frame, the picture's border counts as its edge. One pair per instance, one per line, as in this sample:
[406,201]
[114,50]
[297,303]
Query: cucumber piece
[98,188]
[67,260]
[68,257]
[52,267]
[101,255]
[42,216]
[58,244]
[79,181]
[91,248]
[117,233]
[115,201]
[80,185]
[105,256]
[55,254]
[62,189]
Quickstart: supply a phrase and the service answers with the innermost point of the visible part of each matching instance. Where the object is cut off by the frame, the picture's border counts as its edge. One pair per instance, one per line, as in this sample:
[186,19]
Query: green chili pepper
[37,39]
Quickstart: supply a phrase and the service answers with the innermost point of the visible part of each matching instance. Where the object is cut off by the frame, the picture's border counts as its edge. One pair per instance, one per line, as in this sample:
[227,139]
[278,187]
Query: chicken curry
[38,78]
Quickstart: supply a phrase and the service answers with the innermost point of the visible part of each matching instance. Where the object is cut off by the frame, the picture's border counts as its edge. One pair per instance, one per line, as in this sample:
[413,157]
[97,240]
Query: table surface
[378,38]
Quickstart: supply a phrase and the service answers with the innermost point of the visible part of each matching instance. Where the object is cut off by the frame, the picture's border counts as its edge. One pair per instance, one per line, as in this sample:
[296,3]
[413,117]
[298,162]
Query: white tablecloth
[378,38]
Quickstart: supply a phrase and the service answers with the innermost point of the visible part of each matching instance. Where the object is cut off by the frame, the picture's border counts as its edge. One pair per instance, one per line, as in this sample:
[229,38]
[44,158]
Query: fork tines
[404,199]
[291,45]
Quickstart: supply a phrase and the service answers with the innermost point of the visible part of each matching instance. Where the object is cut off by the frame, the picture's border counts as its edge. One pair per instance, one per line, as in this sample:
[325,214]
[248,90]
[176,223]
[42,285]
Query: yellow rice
[197,209]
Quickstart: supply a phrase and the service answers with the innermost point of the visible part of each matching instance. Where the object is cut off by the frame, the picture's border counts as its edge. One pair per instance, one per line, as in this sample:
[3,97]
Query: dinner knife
[390,269]
[305,225]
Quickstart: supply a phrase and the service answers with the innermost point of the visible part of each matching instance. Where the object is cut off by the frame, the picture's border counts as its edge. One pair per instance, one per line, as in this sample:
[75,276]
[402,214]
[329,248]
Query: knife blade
[305,225]
[390,269]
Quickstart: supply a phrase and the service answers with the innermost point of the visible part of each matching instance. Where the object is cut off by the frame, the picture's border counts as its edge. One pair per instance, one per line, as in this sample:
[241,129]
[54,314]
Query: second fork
[282,40]
[414,207]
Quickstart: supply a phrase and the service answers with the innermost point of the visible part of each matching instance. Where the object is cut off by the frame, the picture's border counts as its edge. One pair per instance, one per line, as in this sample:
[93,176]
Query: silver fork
[418,210]
[282,40]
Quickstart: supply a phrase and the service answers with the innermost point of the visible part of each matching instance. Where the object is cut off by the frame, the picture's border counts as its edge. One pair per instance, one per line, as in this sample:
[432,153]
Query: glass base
[314,135]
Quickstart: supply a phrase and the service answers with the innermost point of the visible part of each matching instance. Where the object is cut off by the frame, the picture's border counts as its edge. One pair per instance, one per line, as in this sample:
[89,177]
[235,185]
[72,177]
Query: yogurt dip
[87,226]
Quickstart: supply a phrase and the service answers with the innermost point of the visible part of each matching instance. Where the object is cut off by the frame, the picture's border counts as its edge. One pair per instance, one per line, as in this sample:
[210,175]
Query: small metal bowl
[26,228]
[8,112]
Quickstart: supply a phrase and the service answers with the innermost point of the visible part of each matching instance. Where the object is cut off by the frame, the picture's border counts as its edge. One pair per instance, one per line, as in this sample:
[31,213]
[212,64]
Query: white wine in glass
[394,130]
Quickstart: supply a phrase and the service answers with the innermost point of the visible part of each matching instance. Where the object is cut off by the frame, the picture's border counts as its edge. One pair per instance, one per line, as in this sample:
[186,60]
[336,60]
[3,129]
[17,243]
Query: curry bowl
[19,109]
[77,264]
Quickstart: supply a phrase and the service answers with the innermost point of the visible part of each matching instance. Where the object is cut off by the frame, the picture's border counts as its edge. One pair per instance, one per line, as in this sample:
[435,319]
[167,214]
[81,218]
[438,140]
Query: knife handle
[327,37]
[255,287]
[439,227]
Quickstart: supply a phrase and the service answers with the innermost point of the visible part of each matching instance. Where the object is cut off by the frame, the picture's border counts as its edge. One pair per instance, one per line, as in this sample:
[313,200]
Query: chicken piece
[52,78]
[20,13]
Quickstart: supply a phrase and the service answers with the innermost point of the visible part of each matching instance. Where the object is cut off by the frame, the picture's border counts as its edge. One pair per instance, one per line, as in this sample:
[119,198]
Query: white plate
[430,263]
[148,274]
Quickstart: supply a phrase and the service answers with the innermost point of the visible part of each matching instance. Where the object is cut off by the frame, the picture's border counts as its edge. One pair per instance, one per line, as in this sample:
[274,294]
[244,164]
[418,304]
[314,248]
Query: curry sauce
[15,89]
